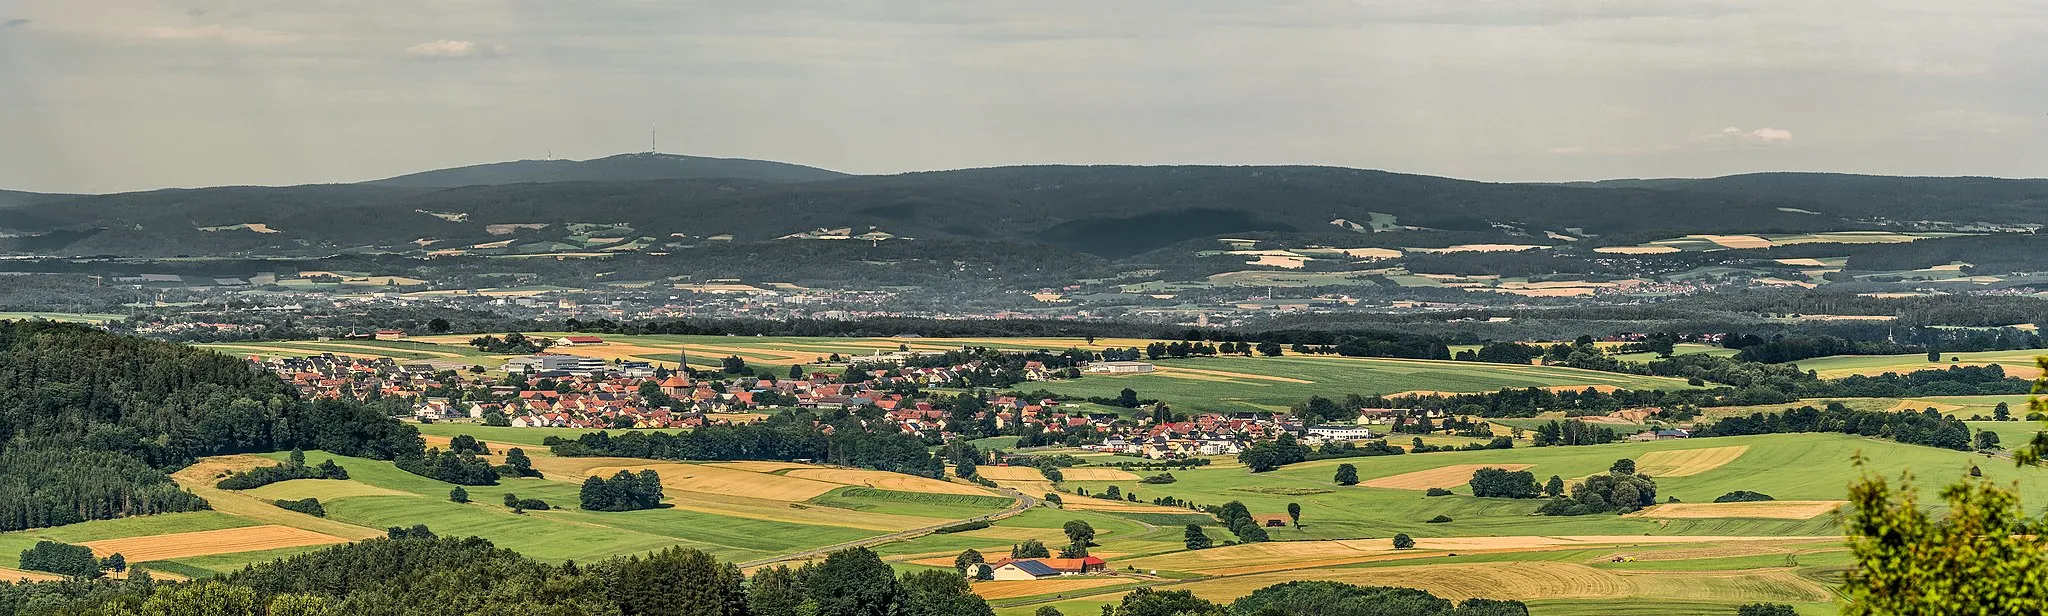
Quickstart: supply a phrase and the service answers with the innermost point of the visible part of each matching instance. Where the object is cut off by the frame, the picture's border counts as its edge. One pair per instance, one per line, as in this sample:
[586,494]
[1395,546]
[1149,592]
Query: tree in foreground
[1984,557]
[852,582]
[675,581]
[937,593]
[1402,541]
[1047,610]
[1347,475]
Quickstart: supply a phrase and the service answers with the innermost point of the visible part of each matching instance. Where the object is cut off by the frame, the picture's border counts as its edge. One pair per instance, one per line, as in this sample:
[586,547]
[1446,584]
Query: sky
[118,95]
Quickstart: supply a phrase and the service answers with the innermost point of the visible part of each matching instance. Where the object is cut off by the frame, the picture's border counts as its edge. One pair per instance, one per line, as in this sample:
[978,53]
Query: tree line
[787,436]
[90,421]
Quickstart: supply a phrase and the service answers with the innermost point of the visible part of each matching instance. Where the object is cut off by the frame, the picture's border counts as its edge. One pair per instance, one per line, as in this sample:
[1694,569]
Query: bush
[1402,541]
[963,527]
[524,504]
[1436,492]
[1440,519]
[1743,496]
[1766,609]
[1161,478]
[308,506]
[259,477]
[458,495]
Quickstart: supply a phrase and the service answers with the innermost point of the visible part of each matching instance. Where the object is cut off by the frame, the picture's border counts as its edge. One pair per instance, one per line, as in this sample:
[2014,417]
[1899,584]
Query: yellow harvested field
[10,576]
[1170,371]
[1444,477]
[710,479]
[1098,474]
[886,481]
[759,467]
[1090,503]
[378,349]
[1637,250]
[202,543]
[1736,241]
[1011,589]
[1687,462]
[201,476]
[1544,580]
[1776,510]
[323,489]
[1009,473]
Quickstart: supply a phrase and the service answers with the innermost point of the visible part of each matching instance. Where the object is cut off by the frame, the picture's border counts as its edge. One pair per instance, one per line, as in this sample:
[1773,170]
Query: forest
[786,436]
[90,422]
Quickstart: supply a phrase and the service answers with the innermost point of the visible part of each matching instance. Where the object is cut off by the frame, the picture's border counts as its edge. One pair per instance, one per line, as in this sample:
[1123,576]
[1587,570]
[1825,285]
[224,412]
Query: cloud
[14,23]
[445,49]
[1570,149]
[1761,135]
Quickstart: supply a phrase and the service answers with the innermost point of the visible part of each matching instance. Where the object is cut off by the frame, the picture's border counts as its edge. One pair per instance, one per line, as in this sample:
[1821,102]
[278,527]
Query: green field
[1231,384]
[69,317]
[2017,363]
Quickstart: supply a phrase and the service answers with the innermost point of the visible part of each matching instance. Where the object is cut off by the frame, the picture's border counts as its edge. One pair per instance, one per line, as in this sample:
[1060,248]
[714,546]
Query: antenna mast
[650,139]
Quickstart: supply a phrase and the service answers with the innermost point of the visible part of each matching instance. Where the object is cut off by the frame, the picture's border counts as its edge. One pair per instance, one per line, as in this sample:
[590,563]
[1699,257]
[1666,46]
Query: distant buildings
[547,363]
[1119,367]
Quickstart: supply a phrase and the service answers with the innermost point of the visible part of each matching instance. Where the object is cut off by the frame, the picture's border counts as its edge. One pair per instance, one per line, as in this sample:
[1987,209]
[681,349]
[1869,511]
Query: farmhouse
[1041,568]
[578,340]
[1119,367]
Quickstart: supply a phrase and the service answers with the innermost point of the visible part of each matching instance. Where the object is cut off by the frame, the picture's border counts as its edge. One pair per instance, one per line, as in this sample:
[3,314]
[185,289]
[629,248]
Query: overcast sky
[109,95]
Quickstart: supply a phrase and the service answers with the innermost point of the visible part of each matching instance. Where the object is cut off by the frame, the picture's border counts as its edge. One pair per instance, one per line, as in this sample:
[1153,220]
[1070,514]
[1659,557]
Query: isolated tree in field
[1766,609]
[1030,548]
[520,464]
[1402,541]
[1987,440]
[1294,513]
[1347,475]
[1933,355]
[1079,532]
[2002,412]
[1503,483]
[1128,398]
[967,560]
[1555,487]
[1624,466]
[1195,539]
[458,495]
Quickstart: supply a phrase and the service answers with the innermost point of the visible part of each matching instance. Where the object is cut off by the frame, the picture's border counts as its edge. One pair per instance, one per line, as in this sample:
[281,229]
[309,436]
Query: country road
[1024,503]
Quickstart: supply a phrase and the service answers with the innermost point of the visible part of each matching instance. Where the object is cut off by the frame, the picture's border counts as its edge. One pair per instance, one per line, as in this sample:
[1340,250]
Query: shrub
[963,527]
[308,506]
[1440,519]
[1743,496]
[458,495]
[1766,609]
[1402,541]
[1436,492]
[1159,479]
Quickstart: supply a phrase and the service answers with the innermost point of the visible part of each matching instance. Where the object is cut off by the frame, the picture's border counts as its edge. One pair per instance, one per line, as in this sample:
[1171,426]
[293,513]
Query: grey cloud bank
[136,94]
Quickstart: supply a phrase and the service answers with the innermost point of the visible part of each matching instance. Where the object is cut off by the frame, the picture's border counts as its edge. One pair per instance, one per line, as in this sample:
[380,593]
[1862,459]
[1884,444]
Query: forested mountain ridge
[89,422]
[1863,196]
[1111,211]
[622,167]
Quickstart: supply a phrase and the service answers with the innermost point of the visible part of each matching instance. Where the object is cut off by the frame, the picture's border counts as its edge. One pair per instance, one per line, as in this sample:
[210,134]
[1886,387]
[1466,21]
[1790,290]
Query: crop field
[2016,363]
[1687,462]
[1238,384]
[1442,477]
[202,543]
[68,317]
[1782,510]
[402,351]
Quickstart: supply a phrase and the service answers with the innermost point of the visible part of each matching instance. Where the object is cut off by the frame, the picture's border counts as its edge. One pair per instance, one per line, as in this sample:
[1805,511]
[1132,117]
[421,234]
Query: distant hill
[1867,196]
[622,167]
[12,198]
[1108,211]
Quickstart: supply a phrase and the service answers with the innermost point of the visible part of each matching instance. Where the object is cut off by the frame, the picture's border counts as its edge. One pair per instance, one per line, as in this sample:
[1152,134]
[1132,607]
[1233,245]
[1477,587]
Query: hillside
[1110,211]
[1971,199]
[13,198]
[622,167]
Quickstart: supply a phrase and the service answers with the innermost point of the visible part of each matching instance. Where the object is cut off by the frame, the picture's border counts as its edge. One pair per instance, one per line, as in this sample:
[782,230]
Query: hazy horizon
[140,94]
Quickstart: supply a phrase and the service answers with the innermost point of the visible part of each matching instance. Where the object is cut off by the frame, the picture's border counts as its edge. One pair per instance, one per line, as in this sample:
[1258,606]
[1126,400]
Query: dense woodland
[787,436]
[90,422]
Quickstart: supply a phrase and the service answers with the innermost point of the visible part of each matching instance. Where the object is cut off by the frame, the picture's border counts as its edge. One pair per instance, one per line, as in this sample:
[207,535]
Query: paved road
[1024,503]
